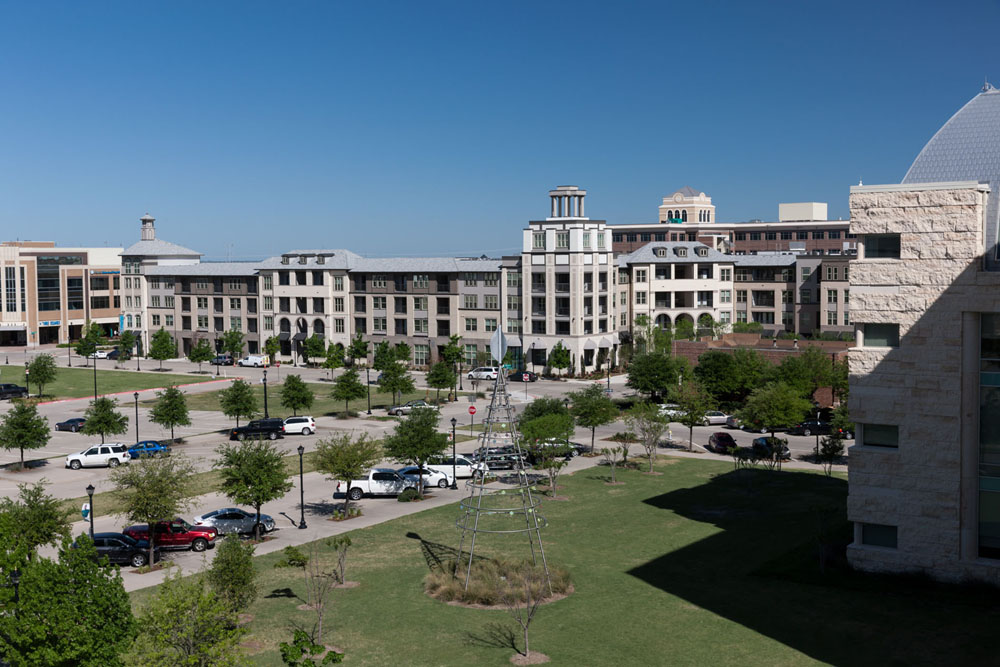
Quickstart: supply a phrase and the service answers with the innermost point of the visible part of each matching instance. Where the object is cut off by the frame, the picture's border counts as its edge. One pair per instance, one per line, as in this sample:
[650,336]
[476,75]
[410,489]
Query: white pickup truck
[380,482]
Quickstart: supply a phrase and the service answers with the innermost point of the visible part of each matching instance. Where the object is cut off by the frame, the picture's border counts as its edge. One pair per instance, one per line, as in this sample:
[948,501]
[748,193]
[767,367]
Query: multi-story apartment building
[764,291]
[835,295]
[673,282]
[48,293]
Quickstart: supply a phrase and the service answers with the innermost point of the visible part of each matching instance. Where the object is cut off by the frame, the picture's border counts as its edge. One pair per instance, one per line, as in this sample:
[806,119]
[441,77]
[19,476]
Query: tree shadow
[441,556]
[283,593]
[325,508]
[494,635]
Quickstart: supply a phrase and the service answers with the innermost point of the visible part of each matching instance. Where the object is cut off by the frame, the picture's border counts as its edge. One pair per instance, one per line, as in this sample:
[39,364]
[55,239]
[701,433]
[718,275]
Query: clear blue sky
[247,128]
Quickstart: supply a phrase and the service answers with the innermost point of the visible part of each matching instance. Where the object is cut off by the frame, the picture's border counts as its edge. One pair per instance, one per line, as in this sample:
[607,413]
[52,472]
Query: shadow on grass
[325,508]
[29,465]
[441,556]
[494,635]
[283,593]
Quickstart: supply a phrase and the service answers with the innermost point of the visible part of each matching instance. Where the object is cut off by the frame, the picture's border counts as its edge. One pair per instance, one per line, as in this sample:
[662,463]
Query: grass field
[79,382]
[698,566]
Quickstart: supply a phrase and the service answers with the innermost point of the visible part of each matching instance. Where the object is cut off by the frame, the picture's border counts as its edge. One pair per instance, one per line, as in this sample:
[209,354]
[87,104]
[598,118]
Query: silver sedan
[233,521]
[713,417]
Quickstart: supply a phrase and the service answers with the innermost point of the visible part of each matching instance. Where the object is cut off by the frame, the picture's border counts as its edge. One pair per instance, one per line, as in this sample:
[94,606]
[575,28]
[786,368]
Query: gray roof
[764,260]
[967,148]
[158,248]
[687,191]
[206,269]
[332,259]
[439,264]
[647,254]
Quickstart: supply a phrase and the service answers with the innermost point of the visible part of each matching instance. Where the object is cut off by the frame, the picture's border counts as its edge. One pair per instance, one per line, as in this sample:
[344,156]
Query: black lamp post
[15,579]
[460,374]
[136,397]
[368,381]
[266,415]
[532,356]
[138,342]
[26,385]
[69,356]
[609,374]
[95,376]
[454,480]
[817,434]
[90,492]
[302,491]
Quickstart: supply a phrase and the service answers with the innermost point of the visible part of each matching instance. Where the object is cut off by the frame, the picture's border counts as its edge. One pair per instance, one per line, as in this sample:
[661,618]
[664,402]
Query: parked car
[406,408]
[109,455]
[147,448]
[522,376]
[810,427]
[234,521]
[714,417]
[303,425]
[484,373]
[561,448]
[500,461]
[123,550]
[671,410]
[375,380]
[13,391]
[73,425]
[465,466]
[271,428]
[255,360]
[732,421]
[762,448]
[757,427]
[100,354]
[114,354]
[222,360]
[432,477]
[720,443]
[379,482]
[176,534]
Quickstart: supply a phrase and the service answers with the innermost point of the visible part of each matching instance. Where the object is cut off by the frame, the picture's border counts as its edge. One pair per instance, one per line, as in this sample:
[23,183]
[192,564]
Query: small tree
[297,653]
[383,357]
[253,473]
[232,574]
[693,403]
[416,439]
[831,448]
[272,346]
[441,376]
[545,405]
[152,489]
[162,346]
[396,379]
[296,394]
[334,358]
[522,594]
[347,388]
[102,419]
[451,354]
[126,343]
[653,374]
[403,352]
[358,349]
[611,457]
[559,357]
[314,348]
[774,406]
[39,518]
[170,409]
[87,345]
[232,343]
[549,437]
[201,352]
[591,408]
[649,425]
[238,400]
[23,428]
[42,371]
[344,458]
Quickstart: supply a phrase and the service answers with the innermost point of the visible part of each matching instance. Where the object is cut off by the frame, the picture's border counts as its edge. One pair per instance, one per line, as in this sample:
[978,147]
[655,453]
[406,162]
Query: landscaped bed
[79,382]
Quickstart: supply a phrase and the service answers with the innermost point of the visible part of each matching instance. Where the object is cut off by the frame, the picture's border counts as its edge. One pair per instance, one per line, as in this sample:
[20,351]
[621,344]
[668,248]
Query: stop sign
[472,409]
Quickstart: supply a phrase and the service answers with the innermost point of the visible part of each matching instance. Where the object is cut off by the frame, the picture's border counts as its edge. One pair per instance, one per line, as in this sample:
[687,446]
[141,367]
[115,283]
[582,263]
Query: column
[555,207]
[581,206]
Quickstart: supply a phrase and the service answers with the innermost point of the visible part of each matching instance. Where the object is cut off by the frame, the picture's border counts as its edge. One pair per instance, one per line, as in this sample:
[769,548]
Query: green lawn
[697,566]
[79,382]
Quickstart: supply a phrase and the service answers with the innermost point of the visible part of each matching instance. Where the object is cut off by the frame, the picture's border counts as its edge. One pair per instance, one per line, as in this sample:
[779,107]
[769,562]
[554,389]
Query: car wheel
[138,560]
[763,430]
[355,493]
[113,463]
[849,435]
[806,431]
[199,545]
[75,465]
[75,429]
[272,436]
[256,365]
[443,483]
[241,436]
[705,422]
[307,431]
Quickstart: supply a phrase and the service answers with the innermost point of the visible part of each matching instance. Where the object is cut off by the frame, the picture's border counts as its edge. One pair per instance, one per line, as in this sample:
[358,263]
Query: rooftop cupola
[148,231]
[567,202]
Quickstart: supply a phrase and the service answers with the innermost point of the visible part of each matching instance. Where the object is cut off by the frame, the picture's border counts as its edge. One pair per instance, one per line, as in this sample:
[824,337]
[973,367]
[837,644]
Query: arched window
[284,326]
[684,216]
[128,321]
[319,328]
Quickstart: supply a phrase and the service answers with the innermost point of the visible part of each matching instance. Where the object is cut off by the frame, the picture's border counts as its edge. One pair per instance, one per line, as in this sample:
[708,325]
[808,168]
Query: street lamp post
[302,491]
[460,374]
[532,356]
[15,579]
[266,415]
[368,381]
[95,376]
[138,342]
[69,356]
[136,397]
[817,433]
[454,480]
[609,374]
[90,493]
[26,385]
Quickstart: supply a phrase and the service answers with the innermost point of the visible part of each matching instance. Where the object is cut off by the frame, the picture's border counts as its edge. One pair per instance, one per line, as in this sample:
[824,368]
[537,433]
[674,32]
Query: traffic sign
[472,409]
[525,378]
[85,510]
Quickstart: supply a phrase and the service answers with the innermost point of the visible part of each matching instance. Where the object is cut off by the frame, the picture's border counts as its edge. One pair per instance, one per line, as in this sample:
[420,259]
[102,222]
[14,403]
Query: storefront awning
[299,336]
[605,343]
[284,335]
[590,345]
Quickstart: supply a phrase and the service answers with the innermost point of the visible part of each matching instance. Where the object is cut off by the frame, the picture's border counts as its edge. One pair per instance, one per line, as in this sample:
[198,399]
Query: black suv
[272,429]
[13,391]
[120,548]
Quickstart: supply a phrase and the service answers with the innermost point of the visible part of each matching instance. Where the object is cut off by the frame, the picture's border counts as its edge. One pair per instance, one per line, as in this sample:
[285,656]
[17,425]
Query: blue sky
[247,128]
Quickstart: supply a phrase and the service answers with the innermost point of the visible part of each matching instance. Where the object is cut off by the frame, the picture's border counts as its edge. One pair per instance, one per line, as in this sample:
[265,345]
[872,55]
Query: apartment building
[49,293]
[673,282]
[835,295]
[764,291]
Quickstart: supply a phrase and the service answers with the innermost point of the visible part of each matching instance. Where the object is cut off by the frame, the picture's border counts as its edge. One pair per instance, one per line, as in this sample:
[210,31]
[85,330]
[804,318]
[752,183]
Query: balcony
[562,312]
[562,287]
[603,287]
[538,312]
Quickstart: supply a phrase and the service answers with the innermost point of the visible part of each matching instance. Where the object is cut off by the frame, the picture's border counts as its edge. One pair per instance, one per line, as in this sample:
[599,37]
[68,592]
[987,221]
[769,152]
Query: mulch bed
[475,605]
[533,658]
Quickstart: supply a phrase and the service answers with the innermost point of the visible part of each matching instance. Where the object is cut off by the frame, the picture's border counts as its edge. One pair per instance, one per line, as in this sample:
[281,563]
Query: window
[420,326]
[338,283]
[538,326]
[338,304]
[786,236]
[234,304]
[833,234]
[378,280]
[319,304]
[879,435]
[338,325]
[725,296]
[400,304]
[847,318]
[787,296]
[203,321]
[268,281]
[360,325]
[755,236]
[878,535]
[138,299]
[831,318]
[317,278]
[154,301]
[640,298]
[741,296]
[491,302]
[832,272]
[284,278]
[491,279]
[513,279]
[202,302]
[645,237]
[640,275]
[168,301]
[725,275]
[268,323]
[470,279]
[743,275]
[831,296]
[100,302]
[513,303]
[805,296]
[770,236]
[471,353]
[660,236]
[421,354]
[359,304]
[881,335]
[514,325]
[378,303]
[725,317]
[300,277]
[624,319]
[13,306]
[201,284]
[489,324]
[471,324]
[421,281]
[562,240]
[538,241]
[806,272]
[600,240]
[156,320]
[787,275]
[420,303]
[817,236]
[400,327]
[741,316]
[586,240]
[235,323]
[471,301]
[378,325]
[881,246]
[801,236]
[741,236]
[169,320]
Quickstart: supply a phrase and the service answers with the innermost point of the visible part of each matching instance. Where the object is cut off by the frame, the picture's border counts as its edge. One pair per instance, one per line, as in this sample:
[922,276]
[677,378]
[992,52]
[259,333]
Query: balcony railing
[562,287]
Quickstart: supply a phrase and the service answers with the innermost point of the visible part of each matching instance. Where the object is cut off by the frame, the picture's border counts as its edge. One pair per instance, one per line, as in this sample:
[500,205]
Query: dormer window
[321,260]
[660,252]
[285,259]
[302,259]
[681,252]
[702,252]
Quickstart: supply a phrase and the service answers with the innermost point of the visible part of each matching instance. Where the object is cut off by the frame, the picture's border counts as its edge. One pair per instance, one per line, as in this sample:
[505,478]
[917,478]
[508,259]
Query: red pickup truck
[176,534]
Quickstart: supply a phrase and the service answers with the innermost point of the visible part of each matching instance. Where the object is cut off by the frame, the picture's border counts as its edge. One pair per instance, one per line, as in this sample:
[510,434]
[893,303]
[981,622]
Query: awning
[605,343]
[284,335]
[513,342]
[590,345]
[299,336]
[535,343]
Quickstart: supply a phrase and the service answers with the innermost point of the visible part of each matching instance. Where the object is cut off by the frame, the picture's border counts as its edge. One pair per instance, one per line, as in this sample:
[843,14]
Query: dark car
[13,391]
[114,354]
[522,376]
[501,461]
[811,427]
[176,534]
[762,448]
[74,424]
[121,549]
[222,360]
[147,448]
[720,443]
[272,429]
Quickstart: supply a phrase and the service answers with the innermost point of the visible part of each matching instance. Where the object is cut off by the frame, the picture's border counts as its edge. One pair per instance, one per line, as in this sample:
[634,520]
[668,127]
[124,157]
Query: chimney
[148,232]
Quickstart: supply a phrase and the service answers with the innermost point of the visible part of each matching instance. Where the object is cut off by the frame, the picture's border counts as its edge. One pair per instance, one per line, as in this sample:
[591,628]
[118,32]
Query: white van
[484,373]
[255,360]
[464,467]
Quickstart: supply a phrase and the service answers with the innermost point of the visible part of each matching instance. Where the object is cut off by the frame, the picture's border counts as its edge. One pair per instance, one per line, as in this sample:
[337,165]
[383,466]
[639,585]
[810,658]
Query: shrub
[448,583]
[408,495]
[293,557]
[232,575]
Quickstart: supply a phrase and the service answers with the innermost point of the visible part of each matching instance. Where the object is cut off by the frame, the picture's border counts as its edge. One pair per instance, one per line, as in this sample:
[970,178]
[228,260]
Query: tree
[441,376]
[841,422]
[416,439]
[232,574]
[162,346]
[831,448]
[383,357]
[591,408]
[347,388]
[807,371]
[522,593]
[238,400]
[729,378]
[70,611]
[651,338]
[23,428]
[693,403]
[152,489]
[544,405]
[403,352]
[839,380]
[42,371]
[253,473]
[611,455]
[774,406]
[452,354]
[39,518]
[653,374]
[748,327]
[559,357]
[358,349]
[344,458]
[272,346]
[232,343]
[396,379]
[334,357]
[549,437]
[186,623]
[297,654]
[314,348]
[684,329]
[649,425]
[170,409]
[126,343]
[296,394]
[102,418]
[201,352]
[85,347]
